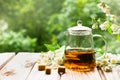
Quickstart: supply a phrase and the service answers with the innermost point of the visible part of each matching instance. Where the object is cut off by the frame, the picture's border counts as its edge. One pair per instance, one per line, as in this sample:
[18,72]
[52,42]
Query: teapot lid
[79,29]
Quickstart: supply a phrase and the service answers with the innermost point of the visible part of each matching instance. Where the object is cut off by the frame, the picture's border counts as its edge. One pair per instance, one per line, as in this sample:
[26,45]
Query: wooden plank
[69,75]
[93,75]
[114,75]
[19,67]
[5,57]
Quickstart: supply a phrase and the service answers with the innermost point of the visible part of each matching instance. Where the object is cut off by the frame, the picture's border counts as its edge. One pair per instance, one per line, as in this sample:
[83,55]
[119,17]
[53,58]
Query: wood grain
[19,67]
[5,57]
[114,75]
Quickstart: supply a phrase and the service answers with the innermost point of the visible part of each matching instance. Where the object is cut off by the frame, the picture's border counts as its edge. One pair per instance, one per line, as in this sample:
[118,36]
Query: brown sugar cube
[41,67]
[61,70]
[48,71]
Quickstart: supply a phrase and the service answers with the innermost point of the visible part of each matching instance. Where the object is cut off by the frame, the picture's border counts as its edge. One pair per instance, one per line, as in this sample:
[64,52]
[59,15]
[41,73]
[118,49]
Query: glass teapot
[79,50]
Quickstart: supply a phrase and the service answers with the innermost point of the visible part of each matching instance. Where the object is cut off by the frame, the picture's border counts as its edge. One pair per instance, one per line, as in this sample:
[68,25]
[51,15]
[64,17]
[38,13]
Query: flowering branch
[108,24]
[110,60]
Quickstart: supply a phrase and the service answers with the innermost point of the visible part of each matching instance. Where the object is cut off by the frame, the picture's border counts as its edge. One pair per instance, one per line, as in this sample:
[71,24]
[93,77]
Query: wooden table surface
[23,66]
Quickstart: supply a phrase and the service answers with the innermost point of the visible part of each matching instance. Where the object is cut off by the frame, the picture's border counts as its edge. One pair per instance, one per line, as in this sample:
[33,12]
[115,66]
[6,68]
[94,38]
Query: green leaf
[109,29]
[58,46]
[118,37]
[50,47]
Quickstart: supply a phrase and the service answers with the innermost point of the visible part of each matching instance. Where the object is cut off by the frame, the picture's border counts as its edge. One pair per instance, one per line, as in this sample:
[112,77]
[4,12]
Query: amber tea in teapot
[80,60]
[79,51]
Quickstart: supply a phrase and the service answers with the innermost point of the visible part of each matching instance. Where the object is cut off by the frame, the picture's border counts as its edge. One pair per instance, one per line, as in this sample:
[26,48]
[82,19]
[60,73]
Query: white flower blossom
[101,5]
[112,17]
[108,55]
[58,60]
[105,8]
[50,55]
[114,27]
[54,65]
[98,63]
[51,58]
[117,32]
[45,60]
[113,60]
[95,26]
[42,55]
[118,60]
[104,25]
[105,61]
[60,52]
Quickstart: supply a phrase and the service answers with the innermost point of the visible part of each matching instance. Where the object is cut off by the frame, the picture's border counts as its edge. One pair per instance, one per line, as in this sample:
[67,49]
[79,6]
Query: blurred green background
[27,25]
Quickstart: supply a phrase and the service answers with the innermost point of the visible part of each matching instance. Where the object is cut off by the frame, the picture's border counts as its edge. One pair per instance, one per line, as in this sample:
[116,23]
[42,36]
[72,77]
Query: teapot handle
[100,36]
